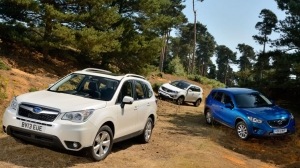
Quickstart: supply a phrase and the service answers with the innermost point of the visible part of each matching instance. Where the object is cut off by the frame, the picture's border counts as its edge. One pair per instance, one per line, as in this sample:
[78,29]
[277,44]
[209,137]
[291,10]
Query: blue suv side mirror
[229,105]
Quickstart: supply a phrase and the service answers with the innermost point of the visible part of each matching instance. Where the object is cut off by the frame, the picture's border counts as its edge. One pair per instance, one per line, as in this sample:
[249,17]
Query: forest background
[135,36]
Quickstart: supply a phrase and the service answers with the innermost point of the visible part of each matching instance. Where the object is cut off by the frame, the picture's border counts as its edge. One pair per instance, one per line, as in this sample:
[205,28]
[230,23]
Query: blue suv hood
[269,113]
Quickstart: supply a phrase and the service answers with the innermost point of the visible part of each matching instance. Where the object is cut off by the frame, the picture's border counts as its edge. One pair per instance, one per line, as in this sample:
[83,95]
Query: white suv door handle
[148,104]
[135,108]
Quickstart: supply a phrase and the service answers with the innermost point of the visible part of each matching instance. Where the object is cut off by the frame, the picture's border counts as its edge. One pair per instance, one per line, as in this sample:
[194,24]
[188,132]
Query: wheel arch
[153,119]
[205,110]
[111,125]
[237,120]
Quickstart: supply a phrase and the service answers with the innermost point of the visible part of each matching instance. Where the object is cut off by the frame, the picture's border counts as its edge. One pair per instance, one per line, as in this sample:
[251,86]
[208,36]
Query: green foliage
[206,81]
[175,67]
[33,89]
[225,57]
[148,69]
[4,66]
[156,86]
[3,86]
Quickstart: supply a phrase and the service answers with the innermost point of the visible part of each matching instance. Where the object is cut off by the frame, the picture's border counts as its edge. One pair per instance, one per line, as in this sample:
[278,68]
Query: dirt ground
[180,139]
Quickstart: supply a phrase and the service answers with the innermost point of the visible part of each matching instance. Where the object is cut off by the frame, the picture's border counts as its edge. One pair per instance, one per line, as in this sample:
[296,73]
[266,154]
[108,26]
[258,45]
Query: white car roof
[108,74]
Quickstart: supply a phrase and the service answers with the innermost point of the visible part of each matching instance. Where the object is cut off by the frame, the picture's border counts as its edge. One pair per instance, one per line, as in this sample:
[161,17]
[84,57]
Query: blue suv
[248,112]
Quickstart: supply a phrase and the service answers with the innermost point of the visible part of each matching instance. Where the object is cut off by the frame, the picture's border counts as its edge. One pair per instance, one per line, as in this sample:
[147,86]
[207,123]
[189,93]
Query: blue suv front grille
[278,123]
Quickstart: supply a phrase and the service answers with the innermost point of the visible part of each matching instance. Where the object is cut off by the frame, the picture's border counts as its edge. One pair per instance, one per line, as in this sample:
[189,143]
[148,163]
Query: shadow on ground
[26,154]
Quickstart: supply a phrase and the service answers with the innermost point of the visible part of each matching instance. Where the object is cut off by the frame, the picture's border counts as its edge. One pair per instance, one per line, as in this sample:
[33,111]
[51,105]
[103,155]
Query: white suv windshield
[180,84]
[89,86]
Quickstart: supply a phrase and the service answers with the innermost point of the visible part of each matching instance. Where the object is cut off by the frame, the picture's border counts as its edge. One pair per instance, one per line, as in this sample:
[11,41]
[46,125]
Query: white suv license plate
[280,131]
[32,126]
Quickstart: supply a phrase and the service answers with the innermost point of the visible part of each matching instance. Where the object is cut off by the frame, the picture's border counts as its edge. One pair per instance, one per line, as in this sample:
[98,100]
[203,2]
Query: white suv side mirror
[126,100]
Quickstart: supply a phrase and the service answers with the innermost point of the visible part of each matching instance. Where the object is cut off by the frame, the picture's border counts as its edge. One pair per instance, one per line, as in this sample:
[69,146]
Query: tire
[180,100]
[102,144]
[208,117]
[147,132]
[197,103]
[242,130]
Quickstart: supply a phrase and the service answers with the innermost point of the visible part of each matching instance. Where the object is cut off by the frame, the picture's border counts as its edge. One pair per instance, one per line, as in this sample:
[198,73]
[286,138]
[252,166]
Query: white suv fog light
[75,144]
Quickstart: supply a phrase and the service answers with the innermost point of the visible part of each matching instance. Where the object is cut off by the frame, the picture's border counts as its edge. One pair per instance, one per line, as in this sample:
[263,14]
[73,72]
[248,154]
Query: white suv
[89,109]
[181,91]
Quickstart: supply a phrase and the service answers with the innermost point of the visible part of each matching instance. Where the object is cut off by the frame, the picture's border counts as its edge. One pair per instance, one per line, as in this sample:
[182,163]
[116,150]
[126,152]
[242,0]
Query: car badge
[37,109]
[279,122]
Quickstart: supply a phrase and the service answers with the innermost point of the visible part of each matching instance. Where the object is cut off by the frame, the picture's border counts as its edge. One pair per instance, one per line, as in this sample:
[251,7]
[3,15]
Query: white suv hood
[171,87]
[62,101]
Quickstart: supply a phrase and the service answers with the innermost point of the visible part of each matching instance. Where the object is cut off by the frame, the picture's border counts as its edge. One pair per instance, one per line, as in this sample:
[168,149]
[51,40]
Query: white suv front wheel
[102,144]
[180,100]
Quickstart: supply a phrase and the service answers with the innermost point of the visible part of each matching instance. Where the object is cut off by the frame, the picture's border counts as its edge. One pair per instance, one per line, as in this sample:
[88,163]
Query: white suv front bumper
[170,95]
[59,133]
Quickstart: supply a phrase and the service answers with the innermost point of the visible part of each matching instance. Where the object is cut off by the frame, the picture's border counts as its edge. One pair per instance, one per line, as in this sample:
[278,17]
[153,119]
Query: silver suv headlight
[14,103]
[78,116]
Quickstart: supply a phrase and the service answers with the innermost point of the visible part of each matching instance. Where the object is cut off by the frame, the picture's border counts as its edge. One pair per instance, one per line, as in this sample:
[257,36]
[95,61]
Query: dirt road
[180,139]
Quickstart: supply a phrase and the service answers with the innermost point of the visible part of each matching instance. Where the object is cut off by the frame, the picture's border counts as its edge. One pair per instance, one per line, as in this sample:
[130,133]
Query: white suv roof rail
[96,70]
[134,75]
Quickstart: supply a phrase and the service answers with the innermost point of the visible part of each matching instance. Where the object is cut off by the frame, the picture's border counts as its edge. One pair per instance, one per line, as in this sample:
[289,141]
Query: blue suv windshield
[252,100]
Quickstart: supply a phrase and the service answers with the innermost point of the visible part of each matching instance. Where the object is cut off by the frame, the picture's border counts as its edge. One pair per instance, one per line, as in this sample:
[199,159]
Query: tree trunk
[167,46]
[262,62]
[161,60]
[194,46]
[46,40]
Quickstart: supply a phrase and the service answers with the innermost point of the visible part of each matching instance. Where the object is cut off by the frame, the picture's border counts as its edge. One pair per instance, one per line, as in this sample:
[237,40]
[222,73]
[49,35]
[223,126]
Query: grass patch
[156,86]
[206,81]
[33,89]
[4,66]
[3,85]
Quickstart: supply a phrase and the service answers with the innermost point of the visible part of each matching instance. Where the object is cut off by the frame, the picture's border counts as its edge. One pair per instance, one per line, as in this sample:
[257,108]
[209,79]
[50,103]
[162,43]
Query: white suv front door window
[189,94]
[128,115]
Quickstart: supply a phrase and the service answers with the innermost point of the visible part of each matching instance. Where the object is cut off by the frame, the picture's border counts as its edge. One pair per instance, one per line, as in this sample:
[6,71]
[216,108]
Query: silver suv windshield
[180,84]
[252,100]
[89,86]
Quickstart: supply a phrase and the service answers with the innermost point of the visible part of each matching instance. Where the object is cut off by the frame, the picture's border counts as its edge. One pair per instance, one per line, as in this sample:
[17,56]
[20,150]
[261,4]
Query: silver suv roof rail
[134,75]
[96,70]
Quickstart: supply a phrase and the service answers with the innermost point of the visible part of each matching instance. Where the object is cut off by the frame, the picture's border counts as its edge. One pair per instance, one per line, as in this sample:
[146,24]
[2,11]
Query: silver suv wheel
[102,144]
[242,130]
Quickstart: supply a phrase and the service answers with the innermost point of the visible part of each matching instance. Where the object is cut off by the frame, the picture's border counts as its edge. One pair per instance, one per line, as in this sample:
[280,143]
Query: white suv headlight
[78,116]
[255,120]
[14,103]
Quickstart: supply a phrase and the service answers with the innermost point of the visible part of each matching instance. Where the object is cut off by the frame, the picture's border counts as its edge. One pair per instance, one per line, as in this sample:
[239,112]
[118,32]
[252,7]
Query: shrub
[175,67]
[159,75]
[156,86]
[33,89]
[4,66]
[206,81]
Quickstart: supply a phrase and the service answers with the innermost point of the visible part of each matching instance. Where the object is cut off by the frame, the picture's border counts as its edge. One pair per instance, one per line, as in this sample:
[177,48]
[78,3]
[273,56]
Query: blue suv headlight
[292,117]
[255,120]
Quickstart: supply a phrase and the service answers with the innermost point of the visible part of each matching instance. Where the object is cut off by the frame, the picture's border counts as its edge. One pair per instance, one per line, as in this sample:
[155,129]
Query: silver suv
[181,91]
[88,109]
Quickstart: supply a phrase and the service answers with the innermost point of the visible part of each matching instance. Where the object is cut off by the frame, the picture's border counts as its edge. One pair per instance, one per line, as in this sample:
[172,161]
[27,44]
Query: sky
[232,22]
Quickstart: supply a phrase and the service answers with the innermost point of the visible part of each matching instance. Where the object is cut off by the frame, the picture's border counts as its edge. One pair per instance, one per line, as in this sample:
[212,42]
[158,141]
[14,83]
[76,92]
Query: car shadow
[27,154]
